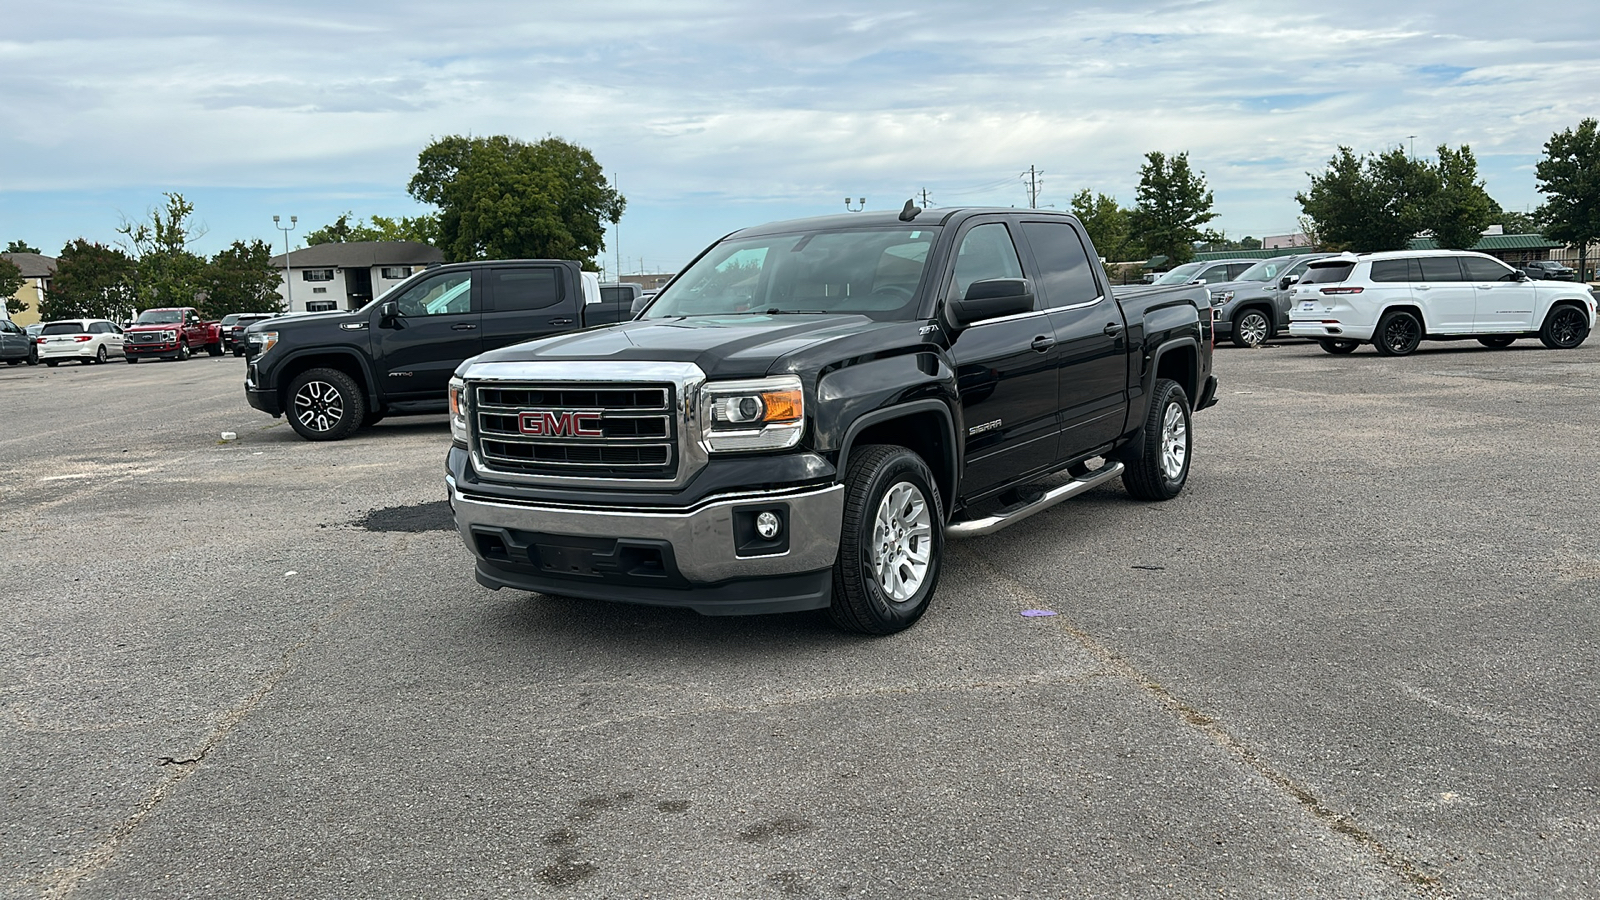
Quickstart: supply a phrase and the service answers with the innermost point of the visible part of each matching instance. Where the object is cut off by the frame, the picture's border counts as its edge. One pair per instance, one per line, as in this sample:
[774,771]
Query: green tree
[1461,208]
[1368,203]
[91,281]
[422,229]
[1569,177]
[10,282]
[20,247]
[1107,225]
[502,198]
[1172,205]
[242,279]
[168,273]
[1512,222]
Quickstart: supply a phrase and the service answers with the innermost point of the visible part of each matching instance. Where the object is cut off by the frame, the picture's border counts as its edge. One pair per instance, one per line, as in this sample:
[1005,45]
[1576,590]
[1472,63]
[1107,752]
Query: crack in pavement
[1408,870]
[64,880]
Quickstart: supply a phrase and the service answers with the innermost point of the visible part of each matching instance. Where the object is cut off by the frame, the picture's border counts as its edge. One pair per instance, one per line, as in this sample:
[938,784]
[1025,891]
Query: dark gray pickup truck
[805,413]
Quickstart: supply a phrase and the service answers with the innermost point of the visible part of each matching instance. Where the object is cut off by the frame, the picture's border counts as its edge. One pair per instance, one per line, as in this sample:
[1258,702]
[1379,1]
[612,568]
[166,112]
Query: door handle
[560,321]
[1420,287]
[1043,342]
[1113,329]
[463,326]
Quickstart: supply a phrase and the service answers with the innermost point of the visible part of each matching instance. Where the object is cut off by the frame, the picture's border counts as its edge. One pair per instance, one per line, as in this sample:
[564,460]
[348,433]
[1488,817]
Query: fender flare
[282,384]
[954,450]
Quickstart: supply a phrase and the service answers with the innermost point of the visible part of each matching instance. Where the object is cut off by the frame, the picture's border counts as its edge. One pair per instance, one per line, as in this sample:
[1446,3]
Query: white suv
[1397,299]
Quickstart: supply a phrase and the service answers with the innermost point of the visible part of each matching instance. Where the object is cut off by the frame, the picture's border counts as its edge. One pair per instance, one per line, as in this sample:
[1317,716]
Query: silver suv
[1255,307]
[1395,300]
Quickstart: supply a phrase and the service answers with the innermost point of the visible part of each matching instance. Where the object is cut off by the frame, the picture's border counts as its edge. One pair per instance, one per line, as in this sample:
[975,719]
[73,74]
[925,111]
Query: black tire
[131,359]
[878,475]
[13,362]
[1337,347]
[1162,469]
[183,352]
[1498,341]
[33,356]
[214,349]
[237,352]
[100,355]
[1565,328]
[52,363]
[1251,327]
[325,405]
[1398,333]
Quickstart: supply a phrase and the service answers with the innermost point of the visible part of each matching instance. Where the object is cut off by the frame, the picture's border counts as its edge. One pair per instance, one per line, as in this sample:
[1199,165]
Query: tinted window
[8,328]
[1389,270]
[1065,272]
[64,328]
[1441,268]
[616,295]
[1481,269]
[446,294]
[1237,269]
[986,253]
[1328,273]
[514,289]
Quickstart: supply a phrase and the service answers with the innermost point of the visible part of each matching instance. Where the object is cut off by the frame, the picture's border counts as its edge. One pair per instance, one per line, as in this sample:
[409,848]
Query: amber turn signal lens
[782,406]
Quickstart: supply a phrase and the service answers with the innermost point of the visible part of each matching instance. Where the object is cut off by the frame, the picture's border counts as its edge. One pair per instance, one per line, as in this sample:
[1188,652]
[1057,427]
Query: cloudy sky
[711,114]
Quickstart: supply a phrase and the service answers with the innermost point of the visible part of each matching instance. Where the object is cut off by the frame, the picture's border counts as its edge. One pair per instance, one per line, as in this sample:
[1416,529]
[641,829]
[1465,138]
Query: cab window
[524,289]
[986,252]
[447,294]
[1065,273]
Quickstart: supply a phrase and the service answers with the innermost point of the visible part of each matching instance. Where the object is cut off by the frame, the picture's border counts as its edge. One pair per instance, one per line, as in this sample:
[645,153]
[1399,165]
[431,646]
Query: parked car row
[157,333]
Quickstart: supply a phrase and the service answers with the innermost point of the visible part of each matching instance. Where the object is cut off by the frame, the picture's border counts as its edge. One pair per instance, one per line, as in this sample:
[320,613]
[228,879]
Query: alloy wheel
[1174,442]
[319,406]
[902,541]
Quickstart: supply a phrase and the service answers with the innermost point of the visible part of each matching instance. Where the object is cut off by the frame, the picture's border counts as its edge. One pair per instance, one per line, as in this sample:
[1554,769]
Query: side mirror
[388,314]
[1286,281]
[992,299]
[638,305]
[1522,276]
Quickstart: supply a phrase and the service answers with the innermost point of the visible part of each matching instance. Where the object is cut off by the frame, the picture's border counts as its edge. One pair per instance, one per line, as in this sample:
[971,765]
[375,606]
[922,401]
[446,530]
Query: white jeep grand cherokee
[1397,299]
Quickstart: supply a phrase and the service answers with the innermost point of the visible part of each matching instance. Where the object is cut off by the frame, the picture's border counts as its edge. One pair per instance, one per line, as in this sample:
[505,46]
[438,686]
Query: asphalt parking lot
[1356,658]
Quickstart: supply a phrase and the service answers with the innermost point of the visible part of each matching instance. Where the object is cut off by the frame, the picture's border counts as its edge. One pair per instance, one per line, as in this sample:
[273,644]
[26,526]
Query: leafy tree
[1569,177]
[1512,222]
[91,281]
[1461,208]
[1107,225]
[1221,242]
[1368,203]
[168,273]
[422,229]
[242,279]
[10,282]
[20,247]
[501,198]
[1172,205]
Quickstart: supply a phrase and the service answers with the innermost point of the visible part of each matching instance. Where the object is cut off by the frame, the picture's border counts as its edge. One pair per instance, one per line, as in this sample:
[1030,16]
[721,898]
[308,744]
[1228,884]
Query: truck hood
[737,346]
[137,329]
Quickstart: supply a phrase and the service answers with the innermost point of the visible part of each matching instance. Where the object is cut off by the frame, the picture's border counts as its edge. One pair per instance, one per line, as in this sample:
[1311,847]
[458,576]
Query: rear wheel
[1251,329]
[214,349]
[1399,332]
[1497,341]
[1565,328]
[100,355]
[891,542]
[1162,468]
[52,363]
[1338,347]
[325,405]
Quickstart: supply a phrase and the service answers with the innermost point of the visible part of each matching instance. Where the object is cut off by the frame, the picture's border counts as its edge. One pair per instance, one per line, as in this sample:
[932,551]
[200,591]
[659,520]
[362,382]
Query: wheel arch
[924,427]
[349,363]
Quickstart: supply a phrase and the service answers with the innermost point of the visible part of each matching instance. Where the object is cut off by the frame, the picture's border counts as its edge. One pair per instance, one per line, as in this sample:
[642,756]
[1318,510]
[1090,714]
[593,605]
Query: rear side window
[524,289]
[1328,273]
[64,328]
[1067,277]
[1441,268]
[1390,270]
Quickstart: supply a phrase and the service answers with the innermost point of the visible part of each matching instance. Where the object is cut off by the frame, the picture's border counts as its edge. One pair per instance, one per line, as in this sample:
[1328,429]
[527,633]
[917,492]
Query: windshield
[160,317]
[1181,275]
[872,272]
[1266,270]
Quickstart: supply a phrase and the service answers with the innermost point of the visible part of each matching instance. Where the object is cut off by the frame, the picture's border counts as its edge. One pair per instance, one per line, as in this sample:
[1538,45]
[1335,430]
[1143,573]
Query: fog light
[768,525]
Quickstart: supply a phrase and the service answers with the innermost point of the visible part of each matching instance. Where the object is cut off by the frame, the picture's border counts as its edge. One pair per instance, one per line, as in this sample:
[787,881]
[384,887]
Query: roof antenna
[910,212]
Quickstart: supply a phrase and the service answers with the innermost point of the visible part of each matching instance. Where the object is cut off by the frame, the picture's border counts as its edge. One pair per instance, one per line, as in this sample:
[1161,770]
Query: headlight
[168,336]
[1218,298]
[264,340]
[458,410]
[760,414]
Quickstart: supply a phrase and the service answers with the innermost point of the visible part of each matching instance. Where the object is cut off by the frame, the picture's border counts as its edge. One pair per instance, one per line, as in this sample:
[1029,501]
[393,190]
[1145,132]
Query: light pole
[288,282]
[862,201]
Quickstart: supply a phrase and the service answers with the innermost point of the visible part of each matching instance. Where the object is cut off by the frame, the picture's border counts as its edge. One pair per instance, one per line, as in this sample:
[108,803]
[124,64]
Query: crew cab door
[1091,337]
[525,302]
[1006,368]
[1503,302]
[437,329]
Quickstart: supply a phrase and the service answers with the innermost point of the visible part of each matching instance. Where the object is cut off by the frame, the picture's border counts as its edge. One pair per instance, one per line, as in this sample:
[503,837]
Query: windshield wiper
[789,312]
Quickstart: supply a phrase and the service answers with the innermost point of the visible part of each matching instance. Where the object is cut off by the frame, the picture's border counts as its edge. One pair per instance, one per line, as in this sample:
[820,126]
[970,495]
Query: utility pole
[1413,145]
[616,234]
[925,203]
[1033,187]
[288,281]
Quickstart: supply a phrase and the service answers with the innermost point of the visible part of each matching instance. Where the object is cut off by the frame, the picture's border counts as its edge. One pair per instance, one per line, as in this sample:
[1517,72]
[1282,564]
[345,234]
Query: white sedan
[85,340]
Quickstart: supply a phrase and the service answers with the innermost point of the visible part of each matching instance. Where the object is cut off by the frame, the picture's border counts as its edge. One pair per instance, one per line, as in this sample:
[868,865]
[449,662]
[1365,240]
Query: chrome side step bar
[1011,516]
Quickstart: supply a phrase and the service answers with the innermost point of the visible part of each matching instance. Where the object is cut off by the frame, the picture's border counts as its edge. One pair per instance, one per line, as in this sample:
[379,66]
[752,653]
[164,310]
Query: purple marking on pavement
[1030,613]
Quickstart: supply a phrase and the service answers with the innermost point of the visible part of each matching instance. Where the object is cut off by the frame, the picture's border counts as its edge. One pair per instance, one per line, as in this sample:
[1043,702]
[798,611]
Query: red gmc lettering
[549,423]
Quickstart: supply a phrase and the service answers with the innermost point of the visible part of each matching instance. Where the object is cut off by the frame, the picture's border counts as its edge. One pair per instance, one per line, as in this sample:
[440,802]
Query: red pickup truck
[171,333]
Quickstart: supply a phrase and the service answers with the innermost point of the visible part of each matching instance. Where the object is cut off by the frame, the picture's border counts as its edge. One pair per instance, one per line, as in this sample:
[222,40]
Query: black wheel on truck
[325,405]
[1162,469]
[891,544]
[214,349]
[1398,334]
[1564,329]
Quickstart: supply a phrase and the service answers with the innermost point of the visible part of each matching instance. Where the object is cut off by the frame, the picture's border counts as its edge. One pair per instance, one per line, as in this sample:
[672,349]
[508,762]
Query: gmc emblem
[560,423]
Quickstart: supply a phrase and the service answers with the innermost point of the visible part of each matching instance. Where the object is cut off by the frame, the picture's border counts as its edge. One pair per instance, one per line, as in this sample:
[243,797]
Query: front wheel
[1399,332]
[131,359]
[1251,329]
[891,543]
[1338,347]
[1498,341]
[325,405]
[183,352]
[1162,468]
[1565,328]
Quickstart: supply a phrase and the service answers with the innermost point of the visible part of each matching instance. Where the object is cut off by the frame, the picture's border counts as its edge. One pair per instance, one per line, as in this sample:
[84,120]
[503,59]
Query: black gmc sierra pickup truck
[801,417]
[331,373]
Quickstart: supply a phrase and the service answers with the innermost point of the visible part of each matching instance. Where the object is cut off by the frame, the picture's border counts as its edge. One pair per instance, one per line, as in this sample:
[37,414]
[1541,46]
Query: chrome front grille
[605,431]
